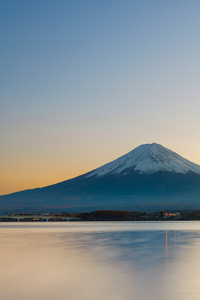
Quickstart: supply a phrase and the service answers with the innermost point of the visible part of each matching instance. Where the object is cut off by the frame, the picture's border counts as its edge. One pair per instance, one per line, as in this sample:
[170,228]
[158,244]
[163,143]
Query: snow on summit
[148,159]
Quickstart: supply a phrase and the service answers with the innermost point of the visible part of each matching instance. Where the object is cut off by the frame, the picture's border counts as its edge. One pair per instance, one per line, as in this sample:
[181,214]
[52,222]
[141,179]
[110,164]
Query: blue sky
[83,82]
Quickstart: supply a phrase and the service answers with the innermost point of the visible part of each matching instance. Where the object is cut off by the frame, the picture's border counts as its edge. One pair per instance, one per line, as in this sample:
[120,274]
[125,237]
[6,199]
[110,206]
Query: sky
[84,82]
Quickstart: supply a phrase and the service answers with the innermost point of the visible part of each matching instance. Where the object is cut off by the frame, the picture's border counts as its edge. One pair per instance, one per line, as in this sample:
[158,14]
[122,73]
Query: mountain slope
[149,177]
[148,159]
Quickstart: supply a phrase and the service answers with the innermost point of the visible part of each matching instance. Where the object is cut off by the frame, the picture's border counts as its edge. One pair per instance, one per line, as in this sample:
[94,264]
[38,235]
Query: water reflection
[112,261]
[166,247]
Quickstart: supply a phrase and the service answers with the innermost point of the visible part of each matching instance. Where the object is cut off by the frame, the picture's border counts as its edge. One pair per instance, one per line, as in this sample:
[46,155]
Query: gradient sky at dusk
[84,82]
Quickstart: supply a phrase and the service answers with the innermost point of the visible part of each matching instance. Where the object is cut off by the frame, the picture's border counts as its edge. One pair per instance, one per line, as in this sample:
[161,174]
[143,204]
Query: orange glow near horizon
[12,183]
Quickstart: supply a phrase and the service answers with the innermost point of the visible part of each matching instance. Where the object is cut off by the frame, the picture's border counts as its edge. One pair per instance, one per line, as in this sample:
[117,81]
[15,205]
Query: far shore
[103,215]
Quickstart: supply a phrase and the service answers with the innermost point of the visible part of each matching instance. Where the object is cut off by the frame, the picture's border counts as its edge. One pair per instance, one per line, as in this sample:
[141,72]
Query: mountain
[147,178]
[148,159]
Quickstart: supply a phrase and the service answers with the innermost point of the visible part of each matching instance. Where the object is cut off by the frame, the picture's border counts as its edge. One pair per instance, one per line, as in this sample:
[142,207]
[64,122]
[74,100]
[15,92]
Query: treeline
[112,215]
[115,215]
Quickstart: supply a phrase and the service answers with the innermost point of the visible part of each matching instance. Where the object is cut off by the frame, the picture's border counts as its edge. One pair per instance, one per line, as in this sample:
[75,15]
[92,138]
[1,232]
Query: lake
[100,260]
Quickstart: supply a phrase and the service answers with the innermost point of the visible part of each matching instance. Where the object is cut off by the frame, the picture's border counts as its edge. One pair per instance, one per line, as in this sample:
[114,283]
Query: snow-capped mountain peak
[148,159]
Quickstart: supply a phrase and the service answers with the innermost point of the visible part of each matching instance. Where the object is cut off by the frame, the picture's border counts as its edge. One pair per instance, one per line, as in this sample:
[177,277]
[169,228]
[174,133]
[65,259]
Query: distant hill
[147,178]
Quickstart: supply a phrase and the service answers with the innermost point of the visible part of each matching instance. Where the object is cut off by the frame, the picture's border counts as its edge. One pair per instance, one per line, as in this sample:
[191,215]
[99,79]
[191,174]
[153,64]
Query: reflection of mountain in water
[113,260]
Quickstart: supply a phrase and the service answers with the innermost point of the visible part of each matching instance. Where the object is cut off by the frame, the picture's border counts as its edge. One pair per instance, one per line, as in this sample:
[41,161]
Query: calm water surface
[100,260]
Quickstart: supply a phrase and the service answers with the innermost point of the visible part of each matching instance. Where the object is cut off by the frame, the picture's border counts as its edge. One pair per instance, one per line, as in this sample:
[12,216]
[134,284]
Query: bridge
[37,217]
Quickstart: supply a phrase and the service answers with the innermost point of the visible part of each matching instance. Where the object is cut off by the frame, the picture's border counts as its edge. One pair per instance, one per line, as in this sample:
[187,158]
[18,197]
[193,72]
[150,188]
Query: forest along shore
[103,215]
